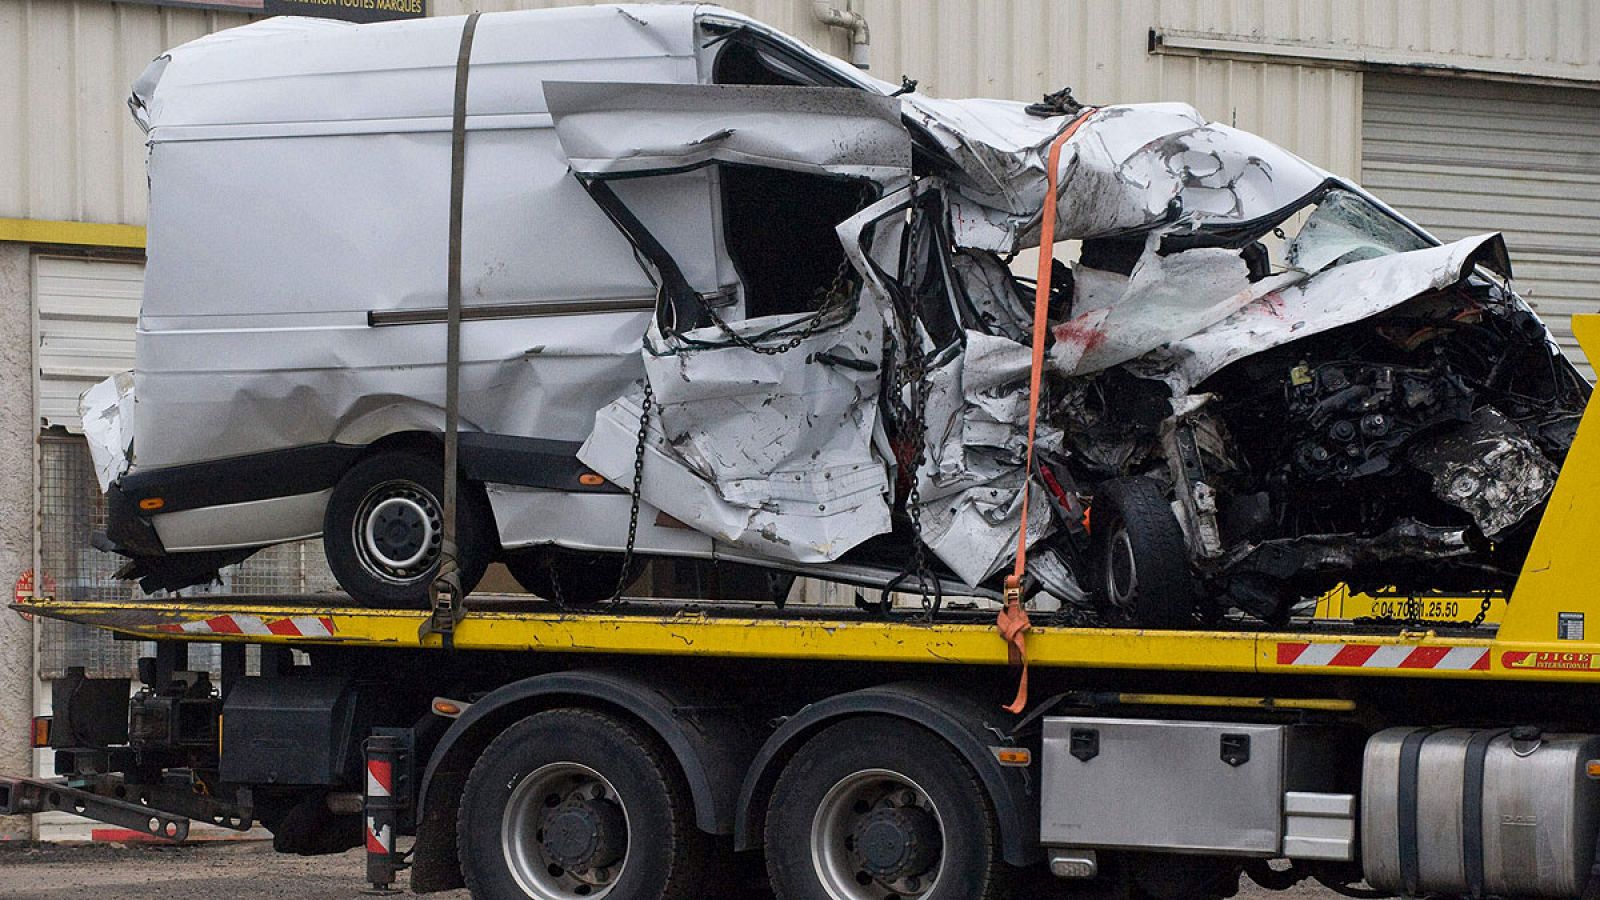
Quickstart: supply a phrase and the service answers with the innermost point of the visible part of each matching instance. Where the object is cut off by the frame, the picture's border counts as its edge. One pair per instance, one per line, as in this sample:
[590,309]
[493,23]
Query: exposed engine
[1408,451]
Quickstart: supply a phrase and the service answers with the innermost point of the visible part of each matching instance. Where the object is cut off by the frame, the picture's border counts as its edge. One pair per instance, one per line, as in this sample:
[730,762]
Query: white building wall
[1557,39]
[69,151]
[16,519]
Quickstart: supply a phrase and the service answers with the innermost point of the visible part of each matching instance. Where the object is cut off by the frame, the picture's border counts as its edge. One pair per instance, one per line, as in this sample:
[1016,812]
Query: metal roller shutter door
[1464,157]
[88,311]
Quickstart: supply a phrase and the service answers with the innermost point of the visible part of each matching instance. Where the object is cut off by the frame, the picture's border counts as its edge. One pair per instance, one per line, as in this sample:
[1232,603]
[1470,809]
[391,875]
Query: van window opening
[779,232]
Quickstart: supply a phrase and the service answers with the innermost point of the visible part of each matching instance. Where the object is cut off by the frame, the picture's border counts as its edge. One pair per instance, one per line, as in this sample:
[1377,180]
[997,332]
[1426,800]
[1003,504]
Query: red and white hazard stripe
[379,840]
[380,778]
[1382,656]
[380,783]
[293,626]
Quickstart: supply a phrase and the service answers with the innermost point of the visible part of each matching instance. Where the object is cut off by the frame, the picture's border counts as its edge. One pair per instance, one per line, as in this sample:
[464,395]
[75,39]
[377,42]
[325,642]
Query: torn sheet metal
[1166,298]
[609,129]
[771,452]
[1128,168]
[107,413]
[971,480]
[1488,468]
[997,301]
[1342,294]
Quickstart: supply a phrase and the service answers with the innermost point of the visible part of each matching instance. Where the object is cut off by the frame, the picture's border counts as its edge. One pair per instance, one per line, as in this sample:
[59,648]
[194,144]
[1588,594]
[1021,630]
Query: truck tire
[383,528]
[1139,557]
[571,577]
[875,808]
[571,804]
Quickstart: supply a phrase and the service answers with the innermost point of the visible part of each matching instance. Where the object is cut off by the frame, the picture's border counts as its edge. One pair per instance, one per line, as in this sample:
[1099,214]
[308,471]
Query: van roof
[303,70]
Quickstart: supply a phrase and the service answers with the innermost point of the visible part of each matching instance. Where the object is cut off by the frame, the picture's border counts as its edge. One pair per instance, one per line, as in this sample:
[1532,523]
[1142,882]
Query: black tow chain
[638,483]
[913,422]
[1483,610]
[1413,613]
[833,297]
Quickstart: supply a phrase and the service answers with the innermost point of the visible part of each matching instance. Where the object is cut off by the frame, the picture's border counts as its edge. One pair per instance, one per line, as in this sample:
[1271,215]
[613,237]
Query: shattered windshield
[1340,227]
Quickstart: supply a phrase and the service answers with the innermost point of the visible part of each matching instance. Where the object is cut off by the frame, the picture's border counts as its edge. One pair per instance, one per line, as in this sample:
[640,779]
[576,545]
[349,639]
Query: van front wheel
[383,530]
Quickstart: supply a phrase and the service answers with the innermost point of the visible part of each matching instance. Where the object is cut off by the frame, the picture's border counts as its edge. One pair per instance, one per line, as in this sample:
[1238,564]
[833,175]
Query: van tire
[572,578]
[382,530]
[1139,559]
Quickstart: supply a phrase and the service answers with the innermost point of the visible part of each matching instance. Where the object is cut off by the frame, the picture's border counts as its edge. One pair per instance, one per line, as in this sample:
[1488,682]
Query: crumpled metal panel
[611,129]
[774,453]
[1127,168]
[1293,307]
[241,352]
[1164,299]
[971,480]
[106,410]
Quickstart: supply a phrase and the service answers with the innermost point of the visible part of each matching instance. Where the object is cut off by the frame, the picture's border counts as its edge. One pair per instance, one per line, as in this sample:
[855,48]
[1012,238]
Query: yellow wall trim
[83,234]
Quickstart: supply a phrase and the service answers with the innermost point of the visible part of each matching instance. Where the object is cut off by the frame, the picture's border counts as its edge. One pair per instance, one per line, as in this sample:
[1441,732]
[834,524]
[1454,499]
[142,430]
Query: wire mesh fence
[71,510]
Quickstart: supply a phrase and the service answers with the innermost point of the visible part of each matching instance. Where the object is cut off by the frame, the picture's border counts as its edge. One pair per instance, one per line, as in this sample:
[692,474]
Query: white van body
[787,253]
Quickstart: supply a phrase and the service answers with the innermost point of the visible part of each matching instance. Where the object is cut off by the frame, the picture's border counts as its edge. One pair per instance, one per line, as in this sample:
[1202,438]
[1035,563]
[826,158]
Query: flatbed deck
[677,628]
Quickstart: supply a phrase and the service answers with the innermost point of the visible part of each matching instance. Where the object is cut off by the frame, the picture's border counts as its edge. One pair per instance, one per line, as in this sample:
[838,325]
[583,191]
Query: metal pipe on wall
[852,21]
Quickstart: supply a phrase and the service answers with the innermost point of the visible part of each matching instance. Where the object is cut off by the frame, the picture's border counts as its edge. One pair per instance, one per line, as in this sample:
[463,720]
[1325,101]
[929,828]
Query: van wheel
[571,804]
[383,530]
[1139,557]
[570,577]
[876,808]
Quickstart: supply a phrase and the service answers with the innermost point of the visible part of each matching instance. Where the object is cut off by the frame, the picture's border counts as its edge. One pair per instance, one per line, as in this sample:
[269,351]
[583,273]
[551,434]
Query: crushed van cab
[727,297]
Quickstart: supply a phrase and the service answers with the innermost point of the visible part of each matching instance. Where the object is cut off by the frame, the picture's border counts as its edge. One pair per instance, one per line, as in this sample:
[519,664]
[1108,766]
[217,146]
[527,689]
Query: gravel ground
[234,871]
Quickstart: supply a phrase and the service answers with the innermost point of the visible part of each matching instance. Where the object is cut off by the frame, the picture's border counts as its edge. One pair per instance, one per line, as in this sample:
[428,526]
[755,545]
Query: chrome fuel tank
[1479,811]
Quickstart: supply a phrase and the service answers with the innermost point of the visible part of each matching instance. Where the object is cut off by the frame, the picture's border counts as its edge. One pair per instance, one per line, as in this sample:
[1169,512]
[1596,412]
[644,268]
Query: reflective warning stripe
[1382,656]
[380,778]
[294,626]
[379,840]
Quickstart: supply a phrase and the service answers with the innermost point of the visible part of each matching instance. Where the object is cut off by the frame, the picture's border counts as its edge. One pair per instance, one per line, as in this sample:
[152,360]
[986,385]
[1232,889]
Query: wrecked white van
[772,297]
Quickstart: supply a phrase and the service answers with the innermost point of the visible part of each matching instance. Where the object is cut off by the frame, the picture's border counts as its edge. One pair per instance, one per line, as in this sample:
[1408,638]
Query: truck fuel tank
[1476,811]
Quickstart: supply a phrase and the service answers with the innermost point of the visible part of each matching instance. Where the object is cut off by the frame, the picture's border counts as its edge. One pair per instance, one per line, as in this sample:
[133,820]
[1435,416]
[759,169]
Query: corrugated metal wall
[68,150]
[1553,37]
[1464,158]
[87,310]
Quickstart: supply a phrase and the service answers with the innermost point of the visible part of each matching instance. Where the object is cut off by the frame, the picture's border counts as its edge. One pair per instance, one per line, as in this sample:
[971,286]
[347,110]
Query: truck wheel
[1139,556]
[573,578]
[876,808]
[383,529]
[572,804]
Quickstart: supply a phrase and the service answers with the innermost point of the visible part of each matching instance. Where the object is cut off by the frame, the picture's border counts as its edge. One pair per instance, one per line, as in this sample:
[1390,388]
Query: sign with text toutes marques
[348,10]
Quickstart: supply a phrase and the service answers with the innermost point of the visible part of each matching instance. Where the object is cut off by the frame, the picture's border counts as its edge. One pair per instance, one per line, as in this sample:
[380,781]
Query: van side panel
[300,179]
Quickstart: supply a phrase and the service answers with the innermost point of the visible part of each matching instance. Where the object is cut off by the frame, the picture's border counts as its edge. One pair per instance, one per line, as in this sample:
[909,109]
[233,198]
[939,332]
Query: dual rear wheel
[574,803]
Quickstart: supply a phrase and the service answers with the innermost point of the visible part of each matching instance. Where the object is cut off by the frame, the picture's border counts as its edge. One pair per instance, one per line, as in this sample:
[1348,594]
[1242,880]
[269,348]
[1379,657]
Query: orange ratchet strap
[1013,619]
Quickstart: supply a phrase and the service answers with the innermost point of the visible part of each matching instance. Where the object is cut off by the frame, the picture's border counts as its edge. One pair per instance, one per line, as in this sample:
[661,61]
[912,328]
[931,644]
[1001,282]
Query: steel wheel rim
[522,837]
[383,514]
[838,818]
[1122,570]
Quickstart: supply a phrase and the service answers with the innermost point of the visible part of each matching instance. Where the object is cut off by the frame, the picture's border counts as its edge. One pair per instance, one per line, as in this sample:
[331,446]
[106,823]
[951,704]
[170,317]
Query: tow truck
[658,748]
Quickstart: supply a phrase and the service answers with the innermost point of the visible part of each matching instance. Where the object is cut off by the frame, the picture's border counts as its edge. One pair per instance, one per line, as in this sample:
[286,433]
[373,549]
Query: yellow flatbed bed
[661,629]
